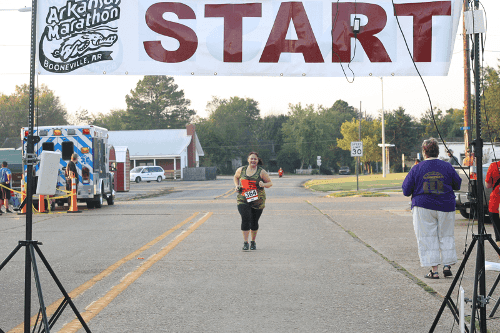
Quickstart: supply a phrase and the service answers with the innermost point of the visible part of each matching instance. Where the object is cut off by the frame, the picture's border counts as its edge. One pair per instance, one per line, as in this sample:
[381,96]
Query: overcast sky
[103,93]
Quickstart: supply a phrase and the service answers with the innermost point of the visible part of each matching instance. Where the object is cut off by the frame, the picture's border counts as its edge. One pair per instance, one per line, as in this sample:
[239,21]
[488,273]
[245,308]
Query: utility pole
[357,158]
[383,132]
[467,82]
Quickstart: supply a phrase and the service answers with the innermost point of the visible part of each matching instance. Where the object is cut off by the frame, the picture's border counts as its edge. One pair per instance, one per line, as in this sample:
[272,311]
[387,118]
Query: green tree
[81,117]
[332,119]
[271,140]
[14,110]
[229,131]
[491,105]
[305,133]
[403,131]
[157,103]
[371,133]
[113,121]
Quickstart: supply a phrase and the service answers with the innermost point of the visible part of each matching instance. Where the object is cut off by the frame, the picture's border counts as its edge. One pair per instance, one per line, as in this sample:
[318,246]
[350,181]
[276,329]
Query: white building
[172,149]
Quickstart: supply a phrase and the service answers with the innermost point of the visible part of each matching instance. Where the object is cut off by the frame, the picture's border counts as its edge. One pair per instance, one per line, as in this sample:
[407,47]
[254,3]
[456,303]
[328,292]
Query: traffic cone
[23,197]
[41,204]
[73,207]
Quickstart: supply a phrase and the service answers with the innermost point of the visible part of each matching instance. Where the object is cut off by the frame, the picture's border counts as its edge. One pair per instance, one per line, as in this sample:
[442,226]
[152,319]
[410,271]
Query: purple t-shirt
[431,184]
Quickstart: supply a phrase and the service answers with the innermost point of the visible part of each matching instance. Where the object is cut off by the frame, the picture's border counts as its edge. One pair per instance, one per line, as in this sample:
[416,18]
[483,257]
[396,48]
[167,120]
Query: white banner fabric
[267,38]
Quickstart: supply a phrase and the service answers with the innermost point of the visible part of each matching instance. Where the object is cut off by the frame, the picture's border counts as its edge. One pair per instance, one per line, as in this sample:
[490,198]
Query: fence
[203,173]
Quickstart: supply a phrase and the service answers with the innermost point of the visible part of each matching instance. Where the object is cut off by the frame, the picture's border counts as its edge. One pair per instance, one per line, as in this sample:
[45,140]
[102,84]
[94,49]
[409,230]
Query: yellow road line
[87,285]
[230,193]
[93,309]
[226,193]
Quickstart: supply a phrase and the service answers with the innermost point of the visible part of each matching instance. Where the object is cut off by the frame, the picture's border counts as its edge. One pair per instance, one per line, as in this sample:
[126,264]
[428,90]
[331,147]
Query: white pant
[435,236]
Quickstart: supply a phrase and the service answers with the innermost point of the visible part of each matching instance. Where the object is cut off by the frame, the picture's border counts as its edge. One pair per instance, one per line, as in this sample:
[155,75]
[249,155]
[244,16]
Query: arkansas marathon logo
[78,34]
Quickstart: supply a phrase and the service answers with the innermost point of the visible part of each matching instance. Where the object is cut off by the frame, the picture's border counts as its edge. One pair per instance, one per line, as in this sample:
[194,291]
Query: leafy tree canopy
[14,110]
[157,103]
[304,131]
[491,105]
[229,131]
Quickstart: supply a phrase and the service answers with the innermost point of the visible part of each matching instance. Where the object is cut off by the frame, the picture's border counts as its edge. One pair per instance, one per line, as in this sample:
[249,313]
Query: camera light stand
[32,245]
[479,299]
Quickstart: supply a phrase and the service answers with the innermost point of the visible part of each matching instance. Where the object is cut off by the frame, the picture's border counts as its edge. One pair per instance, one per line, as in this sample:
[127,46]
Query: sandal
[432,275]
[447,271]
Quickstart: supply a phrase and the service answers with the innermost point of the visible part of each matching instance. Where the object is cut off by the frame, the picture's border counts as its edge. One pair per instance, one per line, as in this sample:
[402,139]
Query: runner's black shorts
[5,192]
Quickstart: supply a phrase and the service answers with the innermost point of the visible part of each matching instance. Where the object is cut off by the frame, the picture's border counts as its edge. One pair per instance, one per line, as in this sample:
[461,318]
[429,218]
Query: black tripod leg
[58,312]
[494,286]
[455,312]
[479,283]
[452,286]
[495,247]
[11,255]
[495,308]
[39,289]
[61,288]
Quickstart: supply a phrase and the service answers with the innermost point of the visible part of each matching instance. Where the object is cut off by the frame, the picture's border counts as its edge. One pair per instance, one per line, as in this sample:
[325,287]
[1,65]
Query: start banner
[267,38]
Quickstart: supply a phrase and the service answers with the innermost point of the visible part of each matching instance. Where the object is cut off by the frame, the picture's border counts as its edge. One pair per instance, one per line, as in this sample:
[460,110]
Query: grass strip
[356,194]
[366,182]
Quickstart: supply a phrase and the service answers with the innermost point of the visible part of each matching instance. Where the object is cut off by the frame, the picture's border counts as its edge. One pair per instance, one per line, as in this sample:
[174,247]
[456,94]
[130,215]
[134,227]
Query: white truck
[95,181]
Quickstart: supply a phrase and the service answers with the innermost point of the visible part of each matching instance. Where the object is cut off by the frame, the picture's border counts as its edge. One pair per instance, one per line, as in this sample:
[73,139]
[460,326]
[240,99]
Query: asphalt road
[167,258]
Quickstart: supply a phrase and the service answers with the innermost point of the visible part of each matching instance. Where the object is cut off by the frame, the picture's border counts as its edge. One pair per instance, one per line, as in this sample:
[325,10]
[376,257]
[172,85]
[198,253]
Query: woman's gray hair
[430,148]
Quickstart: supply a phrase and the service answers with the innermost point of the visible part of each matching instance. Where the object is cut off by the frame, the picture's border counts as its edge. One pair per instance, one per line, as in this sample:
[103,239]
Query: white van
[147,173]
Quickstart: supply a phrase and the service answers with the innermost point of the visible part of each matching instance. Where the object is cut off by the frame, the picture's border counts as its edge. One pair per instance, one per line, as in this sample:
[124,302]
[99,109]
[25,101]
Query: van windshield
[136,170]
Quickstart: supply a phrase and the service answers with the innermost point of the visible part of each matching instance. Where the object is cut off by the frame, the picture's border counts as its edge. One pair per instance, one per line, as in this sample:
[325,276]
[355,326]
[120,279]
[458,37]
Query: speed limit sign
[356,148]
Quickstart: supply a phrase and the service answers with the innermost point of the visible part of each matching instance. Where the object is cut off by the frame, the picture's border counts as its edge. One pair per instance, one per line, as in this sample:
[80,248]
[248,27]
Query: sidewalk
[385,225]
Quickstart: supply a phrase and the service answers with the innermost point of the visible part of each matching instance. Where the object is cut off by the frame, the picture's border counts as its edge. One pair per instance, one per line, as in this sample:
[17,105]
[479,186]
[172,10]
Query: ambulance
[91,144]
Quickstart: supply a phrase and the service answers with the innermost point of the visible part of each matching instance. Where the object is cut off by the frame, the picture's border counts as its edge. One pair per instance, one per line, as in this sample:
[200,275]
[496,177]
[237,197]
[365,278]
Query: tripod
[479,299]
[31,245]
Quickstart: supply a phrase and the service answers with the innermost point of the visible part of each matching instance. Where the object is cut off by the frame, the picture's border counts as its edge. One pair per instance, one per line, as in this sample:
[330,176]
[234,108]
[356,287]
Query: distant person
[250,182]
[280,172]
[492,180]
[71,171]
[431,184]
[416,162]
[452,159]
[5,180]
[469,159]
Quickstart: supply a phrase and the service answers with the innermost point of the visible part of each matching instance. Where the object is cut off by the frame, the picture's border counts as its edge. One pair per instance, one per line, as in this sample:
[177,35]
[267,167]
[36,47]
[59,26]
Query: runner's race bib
[249,189]
[251,195]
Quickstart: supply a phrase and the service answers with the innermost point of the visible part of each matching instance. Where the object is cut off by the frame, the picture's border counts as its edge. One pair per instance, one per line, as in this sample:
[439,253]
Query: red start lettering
[422,24]
[293,12]
[185,35]
[233,26]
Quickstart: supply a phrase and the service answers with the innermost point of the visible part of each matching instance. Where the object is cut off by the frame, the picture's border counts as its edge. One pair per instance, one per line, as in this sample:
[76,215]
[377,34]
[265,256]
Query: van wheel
[159,179]
[110,199]
[138,179]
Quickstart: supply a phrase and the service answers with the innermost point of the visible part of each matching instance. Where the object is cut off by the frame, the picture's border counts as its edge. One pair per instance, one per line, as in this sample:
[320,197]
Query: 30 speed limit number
[356,148]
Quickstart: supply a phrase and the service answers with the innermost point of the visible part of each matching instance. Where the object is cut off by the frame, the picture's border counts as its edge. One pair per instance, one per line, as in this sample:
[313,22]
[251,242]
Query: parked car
[462,197]
[344,170]
[147,173]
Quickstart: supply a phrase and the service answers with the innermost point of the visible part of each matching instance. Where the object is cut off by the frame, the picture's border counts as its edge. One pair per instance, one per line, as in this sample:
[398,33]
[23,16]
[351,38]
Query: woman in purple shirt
[430,185]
